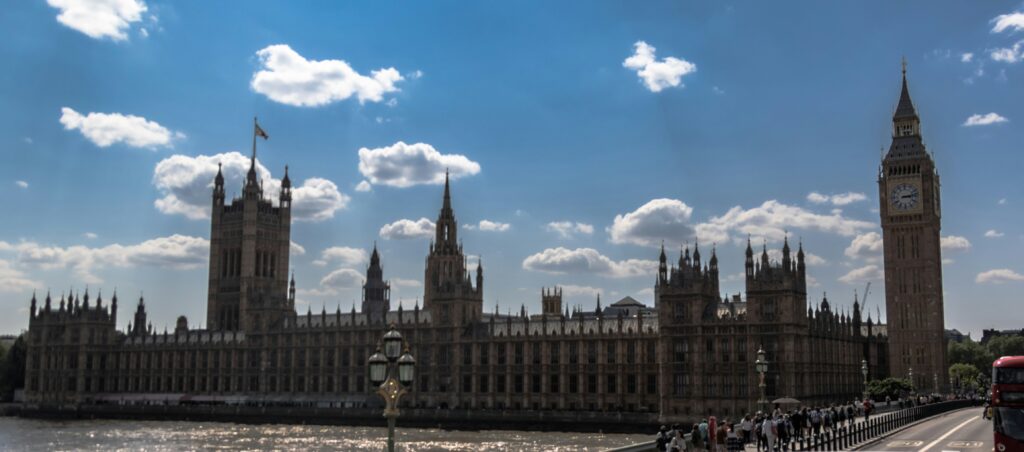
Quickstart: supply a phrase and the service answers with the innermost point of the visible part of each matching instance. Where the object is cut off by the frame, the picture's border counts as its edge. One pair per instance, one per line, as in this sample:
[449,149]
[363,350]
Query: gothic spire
[447,207]
[905,108]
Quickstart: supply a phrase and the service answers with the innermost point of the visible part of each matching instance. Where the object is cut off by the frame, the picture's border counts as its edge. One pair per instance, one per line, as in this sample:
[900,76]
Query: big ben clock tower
[908,195]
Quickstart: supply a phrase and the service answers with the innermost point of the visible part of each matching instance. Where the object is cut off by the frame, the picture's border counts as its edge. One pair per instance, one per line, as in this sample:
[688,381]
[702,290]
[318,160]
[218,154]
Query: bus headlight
[1000,447]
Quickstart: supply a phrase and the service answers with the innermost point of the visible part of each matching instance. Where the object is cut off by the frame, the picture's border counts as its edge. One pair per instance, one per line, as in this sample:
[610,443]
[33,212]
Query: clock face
[904,196]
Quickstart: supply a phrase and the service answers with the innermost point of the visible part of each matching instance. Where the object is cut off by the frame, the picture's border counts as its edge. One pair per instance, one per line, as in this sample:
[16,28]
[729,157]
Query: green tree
[965,376]
[1006,346]
[892,387]
[970,352]
[12,369]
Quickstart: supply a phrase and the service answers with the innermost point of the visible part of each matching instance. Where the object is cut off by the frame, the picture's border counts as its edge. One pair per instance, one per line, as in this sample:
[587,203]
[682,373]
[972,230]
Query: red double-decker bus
[1008,403]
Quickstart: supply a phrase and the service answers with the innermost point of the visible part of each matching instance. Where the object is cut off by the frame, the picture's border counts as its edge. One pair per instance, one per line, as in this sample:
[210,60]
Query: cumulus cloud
[21,184]
[402,282]
[966,57]
[408,229]
[998,276]
[811,259]
[342,278]
[865,246]
[90,235]
[771,220]
[296,249]
[659,220]
[364,186]
[866,273]
[992,233]
[100,19]
[174,252]
[1013,22]
[984,120]
[488,225]
[289,78]
[574,291]
[1008,54]
[105,129]
[342,255]
[404,165]
[587,260]
[954,242]
[840,199]
[657,75]
[186,183]
[13,280]
[567,229]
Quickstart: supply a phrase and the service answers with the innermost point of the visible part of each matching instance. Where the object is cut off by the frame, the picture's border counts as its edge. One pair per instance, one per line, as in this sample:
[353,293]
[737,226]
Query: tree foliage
[892,387]
[970,352]
[1006,346]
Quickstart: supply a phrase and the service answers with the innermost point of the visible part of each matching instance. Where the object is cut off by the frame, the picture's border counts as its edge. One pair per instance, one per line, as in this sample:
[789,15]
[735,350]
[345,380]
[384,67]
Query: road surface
[961,430]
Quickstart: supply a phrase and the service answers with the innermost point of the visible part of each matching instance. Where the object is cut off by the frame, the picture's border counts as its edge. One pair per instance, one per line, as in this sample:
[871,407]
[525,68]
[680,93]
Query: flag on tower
[260,132]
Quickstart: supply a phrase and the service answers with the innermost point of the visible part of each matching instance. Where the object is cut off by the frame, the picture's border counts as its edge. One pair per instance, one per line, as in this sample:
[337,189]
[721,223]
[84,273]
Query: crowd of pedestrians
[767,431]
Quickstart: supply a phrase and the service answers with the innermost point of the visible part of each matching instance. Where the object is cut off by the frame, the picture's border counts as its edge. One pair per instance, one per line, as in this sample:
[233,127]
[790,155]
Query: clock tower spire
[909,206]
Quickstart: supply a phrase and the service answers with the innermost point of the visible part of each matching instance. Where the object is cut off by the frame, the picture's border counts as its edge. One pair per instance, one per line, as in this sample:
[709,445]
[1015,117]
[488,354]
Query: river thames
[108,435]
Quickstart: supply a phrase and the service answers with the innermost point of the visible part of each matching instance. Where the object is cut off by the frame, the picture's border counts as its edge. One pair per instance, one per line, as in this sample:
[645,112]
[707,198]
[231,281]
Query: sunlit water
[111,435]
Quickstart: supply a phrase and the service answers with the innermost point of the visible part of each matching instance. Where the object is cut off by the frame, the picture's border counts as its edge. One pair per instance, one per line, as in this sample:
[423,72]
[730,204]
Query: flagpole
[254,126]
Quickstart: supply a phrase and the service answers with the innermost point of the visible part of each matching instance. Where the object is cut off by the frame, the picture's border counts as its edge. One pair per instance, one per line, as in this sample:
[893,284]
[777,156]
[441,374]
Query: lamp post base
[391,433]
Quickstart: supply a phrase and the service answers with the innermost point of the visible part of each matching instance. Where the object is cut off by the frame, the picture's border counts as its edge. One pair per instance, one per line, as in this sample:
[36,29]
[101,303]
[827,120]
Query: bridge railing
[848,437]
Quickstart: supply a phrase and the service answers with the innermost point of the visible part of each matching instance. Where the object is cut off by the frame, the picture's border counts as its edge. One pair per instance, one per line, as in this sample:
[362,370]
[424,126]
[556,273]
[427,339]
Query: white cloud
[342,278]
[966,57]
[175,252]
[840,199]
[587,260]
[771,219]
[1001,202]
[316,200]
[954,242]
[401,282]
[1008,54]
[984,120]
[659,220]
[998,276]
[404,165]
[13,280]
[21,184]
[343,255]
[296,249]
[992,233]
[574,291]
[27,140]
[865,246]
[488,225]
[567,229]
[99,19]
[866,273]
[364,186]
[947,261]
[657,75]
[408,229]
[291,79]
[105,129]
[187,182]
[1014,21]
[811,259]
[90,235]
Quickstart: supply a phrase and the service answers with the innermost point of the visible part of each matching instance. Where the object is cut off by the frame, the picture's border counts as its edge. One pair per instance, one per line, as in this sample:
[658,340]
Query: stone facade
[910,210]
[690,355]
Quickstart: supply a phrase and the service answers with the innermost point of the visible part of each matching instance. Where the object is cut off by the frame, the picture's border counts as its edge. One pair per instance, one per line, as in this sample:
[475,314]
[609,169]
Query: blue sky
[579,134]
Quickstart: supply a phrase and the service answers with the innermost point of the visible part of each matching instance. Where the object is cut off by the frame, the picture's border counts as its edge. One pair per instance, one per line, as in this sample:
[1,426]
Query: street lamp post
[935,381]
[761,365]
[383,367]
[913,387]
[864,372]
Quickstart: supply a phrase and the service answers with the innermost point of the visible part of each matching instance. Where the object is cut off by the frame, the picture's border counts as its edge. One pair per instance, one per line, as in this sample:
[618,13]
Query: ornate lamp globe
[392,344]
[761,364]
[406,366]
[864,367]
[378,368]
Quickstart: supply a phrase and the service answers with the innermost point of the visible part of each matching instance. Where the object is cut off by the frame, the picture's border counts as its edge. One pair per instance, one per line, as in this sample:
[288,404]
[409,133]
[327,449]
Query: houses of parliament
[689,355]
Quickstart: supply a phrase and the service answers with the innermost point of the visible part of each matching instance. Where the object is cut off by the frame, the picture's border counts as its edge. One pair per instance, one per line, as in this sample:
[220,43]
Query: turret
[480,275]
[286,190]
[696,255]
[749,263]
[786,262]
[218,187]
[32,306]
[662,266]
[140,318]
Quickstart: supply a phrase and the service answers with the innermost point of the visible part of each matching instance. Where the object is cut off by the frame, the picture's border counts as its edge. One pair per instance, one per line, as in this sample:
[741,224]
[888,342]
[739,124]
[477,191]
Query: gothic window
[611,384]
[484,354]
[467,354]
[611,353]
[574,383]
[591,353]
[741,349]
[535,358]
[678,385]
[680,348]
[553,386]
[482,386]
[574,353]
[679,311]
[518,353]
[631,352]
[652,355]
[554,350]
